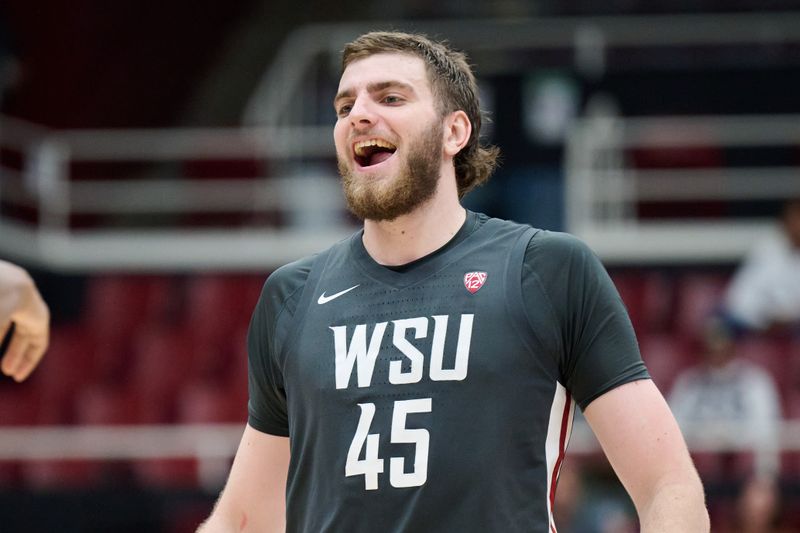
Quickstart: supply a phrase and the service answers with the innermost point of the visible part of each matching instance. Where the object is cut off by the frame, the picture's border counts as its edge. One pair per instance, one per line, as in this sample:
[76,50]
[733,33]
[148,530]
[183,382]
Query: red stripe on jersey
[562,449]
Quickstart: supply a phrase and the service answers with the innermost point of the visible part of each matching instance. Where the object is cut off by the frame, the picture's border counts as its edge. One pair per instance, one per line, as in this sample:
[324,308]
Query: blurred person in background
[25,317]
[359,422]
[765,291]
[581,508]
[732,402]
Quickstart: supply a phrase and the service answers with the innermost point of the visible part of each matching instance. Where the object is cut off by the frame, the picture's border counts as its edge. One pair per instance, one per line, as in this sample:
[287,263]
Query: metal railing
[300,187]
[214,445]
[141,173]
[494,44]
[604,187]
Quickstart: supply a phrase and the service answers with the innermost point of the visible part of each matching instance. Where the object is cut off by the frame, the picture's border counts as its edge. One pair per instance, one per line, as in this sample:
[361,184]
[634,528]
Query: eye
[344,110]
[392,99]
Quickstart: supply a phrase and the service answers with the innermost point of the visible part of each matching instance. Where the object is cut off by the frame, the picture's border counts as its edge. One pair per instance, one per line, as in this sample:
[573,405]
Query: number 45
[370,466]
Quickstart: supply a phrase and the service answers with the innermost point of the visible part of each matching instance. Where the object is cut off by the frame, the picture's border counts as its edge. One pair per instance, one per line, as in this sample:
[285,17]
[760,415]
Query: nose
[361,113]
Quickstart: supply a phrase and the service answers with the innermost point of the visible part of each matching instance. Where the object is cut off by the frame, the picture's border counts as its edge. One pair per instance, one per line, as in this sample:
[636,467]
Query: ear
[457,130]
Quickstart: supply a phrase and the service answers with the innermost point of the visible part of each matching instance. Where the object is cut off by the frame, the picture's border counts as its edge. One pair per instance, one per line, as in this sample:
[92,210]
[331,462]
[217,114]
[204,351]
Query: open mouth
[372,152]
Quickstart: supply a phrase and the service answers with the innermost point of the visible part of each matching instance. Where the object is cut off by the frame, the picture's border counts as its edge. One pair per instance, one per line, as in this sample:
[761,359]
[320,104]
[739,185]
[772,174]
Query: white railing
[603,188]
[299,183]
[492,43]
[214,445]
[294,138]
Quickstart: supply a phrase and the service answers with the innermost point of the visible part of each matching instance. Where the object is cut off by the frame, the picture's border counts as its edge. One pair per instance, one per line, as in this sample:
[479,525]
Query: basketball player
[22,305]
[421,376]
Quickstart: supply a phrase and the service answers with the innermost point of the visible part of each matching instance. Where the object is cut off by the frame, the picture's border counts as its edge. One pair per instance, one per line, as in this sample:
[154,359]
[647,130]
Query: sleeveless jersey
[436,398]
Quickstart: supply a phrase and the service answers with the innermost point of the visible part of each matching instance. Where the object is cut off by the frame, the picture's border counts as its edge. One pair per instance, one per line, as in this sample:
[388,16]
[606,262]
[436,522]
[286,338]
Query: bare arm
[22,304]
[254,497]
[646,449]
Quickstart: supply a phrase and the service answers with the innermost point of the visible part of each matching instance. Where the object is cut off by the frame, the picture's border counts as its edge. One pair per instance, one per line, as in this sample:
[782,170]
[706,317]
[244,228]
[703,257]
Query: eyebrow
[375,87]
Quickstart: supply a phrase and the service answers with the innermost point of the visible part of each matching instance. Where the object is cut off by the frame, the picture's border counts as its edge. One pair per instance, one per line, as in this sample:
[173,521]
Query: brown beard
[391,197]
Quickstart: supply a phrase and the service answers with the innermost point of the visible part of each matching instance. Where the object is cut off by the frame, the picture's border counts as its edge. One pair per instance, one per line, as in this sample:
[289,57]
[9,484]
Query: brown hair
[452,83]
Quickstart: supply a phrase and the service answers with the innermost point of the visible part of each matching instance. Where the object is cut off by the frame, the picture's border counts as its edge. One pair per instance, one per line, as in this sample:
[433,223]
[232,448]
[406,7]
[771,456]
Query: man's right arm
[254,497]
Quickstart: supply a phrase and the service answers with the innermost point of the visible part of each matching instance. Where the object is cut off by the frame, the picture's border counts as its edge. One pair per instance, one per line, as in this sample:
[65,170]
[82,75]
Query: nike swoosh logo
[325,299]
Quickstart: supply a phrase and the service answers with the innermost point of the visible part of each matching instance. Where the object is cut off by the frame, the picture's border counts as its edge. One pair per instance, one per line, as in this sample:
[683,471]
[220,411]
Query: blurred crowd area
[129,349]
[168,347]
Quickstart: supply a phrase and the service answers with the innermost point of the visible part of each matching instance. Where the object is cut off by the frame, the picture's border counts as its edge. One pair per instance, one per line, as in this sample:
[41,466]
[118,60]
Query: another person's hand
[22,305]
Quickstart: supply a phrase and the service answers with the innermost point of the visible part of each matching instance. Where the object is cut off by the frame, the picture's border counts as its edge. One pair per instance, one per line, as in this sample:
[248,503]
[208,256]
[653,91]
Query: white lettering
[357,354]
[420,438]
[363,355]
[459,370]
[371,465]
[414,375]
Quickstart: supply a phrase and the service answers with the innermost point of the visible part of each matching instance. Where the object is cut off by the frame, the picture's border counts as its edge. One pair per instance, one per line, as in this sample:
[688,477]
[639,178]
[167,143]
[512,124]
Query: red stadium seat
[770,353]
[698,296]
[793,359]
[665,356]
[95,404]
[161,364]
[630,286]
[204,403]
[648,297]
[65,369]
[791,458]
[215,305]
[101,404]
[161,361]
[218,308]
[199,402]
[18,405]
[237,380]
[166,473]
[117,307]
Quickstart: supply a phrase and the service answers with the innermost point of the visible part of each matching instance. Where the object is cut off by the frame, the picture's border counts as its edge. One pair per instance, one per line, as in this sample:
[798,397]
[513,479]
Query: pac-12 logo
[474,281]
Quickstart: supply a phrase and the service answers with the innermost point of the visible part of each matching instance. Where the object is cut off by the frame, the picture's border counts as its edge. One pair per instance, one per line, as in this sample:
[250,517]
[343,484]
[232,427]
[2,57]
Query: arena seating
[170,349]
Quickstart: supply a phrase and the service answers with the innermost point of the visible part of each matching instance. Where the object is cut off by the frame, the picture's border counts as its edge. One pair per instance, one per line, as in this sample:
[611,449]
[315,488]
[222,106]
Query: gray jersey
[437,397]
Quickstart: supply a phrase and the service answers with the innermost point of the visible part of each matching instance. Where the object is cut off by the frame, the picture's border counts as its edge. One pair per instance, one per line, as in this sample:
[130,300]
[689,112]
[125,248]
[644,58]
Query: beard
[386,199]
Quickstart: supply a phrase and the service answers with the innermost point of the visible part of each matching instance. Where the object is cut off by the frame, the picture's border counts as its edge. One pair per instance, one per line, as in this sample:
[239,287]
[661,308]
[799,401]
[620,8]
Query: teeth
[361,145]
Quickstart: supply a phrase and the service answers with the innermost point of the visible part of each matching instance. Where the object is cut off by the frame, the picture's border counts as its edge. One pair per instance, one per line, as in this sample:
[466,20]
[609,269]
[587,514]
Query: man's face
[389,136]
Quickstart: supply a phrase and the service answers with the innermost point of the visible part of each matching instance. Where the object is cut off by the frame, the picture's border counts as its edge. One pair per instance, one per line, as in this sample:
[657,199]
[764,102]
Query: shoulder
[561,267]
[284,283]
[287,281]
[290,276]
[773,246]
[555,245]
[754,373]
[544,244]
[554,256]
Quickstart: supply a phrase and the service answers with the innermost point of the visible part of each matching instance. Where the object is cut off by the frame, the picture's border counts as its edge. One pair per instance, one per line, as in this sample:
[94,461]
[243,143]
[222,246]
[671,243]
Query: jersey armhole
[514,297]
[317,267]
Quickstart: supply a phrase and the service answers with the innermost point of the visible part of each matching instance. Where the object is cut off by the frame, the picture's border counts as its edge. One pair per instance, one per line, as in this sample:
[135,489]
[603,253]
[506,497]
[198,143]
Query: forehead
[397,66]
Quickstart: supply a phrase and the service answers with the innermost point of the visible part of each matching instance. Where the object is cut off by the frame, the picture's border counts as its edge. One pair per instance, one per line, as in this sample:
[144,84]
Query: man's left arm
[645,447]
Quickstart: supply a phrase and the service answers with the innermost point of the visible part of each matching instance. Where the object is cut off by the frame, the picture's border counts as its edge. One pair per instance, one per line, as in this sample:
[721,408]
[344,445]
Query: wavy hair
[454,87]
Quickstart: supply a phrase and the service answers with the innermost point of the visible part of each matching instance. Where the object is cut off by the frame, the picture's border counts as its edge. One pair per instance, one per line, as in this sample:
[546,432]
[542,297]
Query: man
[764,294]
[421,375]
[21,305]
[735,403]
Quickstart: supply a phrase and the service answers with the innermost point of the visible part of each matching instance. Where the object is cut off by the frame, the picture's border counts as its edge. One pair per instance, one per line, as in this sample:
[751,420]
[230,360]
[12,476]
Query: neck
[419,233]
